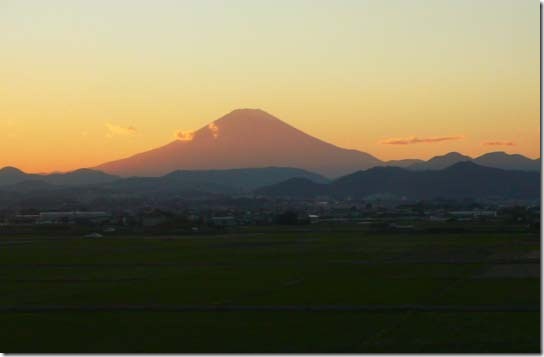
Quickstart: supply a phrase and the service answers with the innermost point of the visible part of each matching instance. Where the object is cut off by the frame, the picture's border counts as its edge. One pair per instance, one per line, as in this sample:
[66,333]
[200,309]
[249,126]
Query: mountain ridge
[460,180]
[496,159]
[244,138]
[13,176]
[253,138]
[230,181]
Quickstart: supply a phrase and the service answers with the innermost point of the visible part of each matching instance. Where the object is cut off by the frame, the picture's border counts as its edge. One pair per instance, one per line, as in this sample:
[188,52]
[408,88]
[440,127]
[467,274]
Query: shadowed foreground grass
[96,286]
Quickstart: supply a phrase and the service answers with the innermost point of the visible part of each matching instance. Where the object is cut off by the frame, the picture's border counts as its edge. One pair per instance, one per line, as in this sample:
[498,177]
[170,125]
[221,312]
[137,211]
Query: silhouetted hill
[81,177]
[499,160]
[402,163]
[244,138]
[441,162]
[243,180]
[12,175]
[124,193]
[28,186]
[296,188]
[235,181]
[506,161]
[461,180]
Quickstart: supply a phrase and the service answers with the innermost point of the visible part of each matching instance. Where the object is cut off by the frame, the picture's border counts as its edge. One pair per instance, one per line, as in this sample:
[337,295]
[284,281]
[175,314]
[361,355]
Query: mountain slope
[441,162]
[295,187]
[499,160]
[461,180]
[506,161]
[11,175]
[81,177]
[234,181]
[402,163]
[244,138]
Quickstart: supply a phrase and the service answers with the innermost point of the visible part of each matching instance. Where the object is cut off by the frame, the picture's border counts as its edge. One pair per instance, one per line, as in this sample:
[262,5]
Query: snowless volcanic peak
[244,138]
[244,124]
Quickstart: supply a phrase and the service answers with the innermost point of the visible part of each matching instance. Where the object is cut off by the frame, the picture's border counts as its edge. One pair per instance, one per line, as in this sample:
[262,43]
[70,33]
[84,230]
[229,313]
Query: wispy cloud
[185,135]
[119,130]
[499,143]
[416,140]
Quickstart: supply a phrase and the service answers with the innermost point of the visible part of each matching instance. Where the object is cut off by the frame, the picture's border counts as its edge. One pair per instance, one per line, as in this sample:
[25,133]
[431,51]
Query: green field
[272,291]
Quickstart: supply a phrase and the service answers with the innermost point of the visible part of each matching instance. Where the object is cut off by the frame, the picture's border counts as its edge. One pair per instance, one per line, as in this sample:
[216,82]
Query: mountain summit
[499,160]
[441,162]
[244,138]
[252,138]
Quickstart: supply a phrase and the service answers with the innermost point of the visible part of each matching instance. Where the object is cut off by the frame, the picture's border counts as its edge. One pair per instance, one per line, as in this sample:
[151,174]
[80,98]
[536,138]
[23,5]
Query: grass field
[311,291]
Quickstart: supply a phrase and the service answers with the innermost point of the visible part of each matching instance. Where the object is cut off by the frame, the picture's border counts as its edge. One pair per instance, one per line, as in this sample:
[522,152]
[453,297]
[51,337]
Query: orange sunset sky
[85,82]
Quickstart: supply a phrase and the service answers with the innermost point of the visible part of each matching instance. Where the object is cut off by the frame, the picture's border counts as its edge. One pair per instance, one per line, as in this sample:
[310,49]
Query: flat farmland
[272,291]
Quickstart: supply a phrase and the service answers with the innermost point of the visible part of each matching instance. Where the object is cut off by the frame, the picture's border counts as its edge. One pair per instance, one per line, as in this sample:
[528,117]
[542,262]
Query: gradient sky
[84,82]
